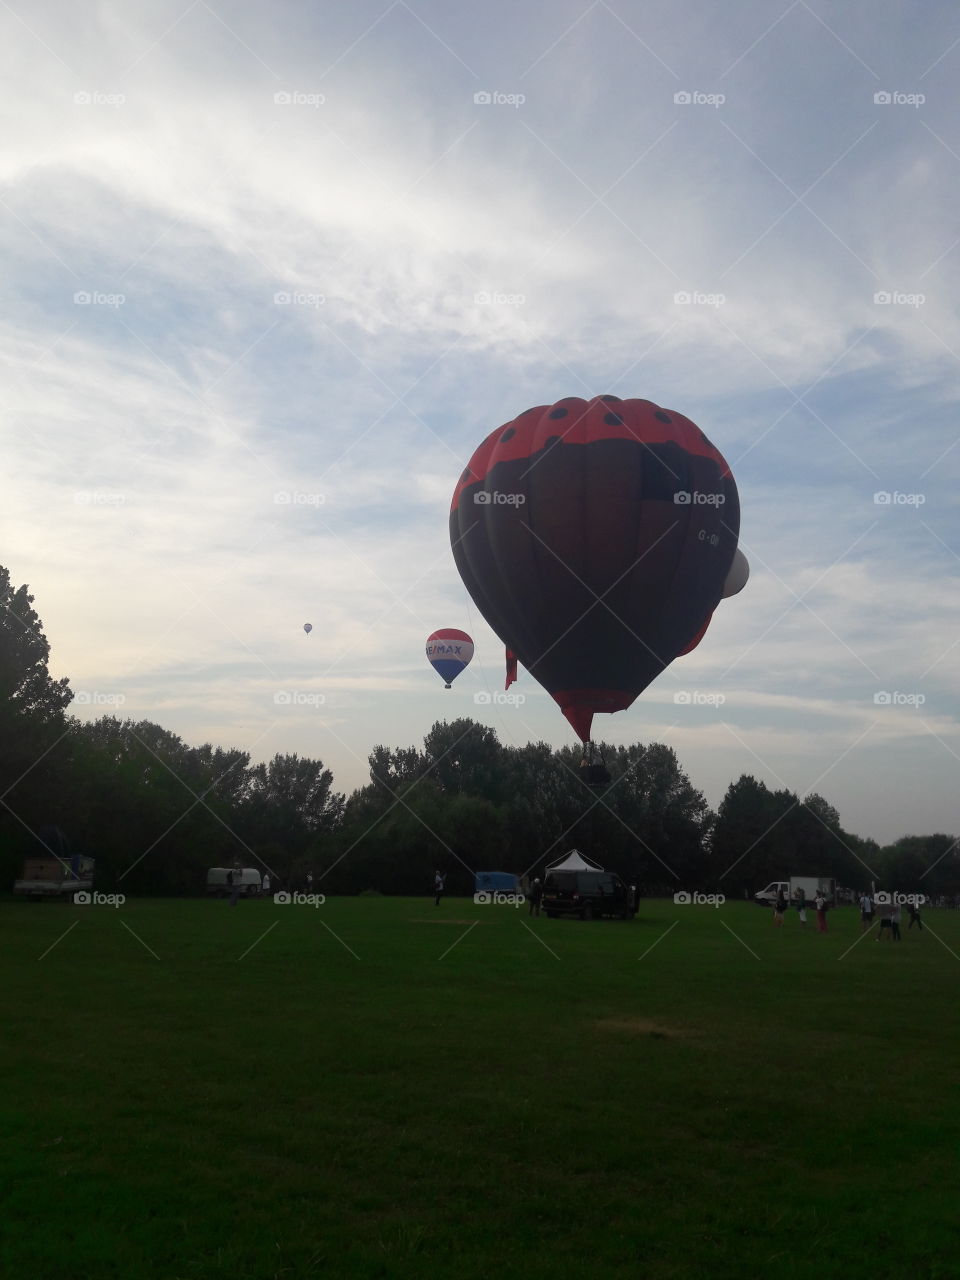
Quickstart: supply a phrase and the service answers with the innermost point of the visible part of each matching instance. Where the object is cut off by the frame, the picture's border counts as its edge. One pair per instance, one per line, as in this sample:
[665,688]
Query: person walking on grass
[779,907]
[895,922]
[802,907]
[914,911]
[536,897]
[233,880]
[820,903]
[866,912]
[437,887]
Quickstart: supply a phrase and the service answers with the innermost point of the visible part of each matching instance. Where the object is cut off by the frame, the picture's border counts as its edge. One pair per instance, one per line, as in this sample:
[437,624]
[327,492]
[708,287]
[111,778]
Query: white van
[217,882]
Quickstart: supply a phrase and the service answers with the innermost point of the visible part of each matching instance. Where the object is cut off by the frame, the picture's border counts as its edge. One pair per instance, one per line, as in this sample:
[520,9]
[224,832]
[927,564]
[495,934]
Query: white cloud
[398,201]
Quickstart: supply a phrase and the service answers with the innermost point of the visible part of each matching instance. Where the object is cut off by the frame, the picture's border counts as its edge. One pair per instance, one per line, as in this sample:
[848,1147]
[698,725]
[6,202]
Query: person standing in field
[820,903]
[779,907]
[895,922]
[536,897]
[266,884]
[866,912]
[233,880]
[802,907]
[914,911]
[437,887]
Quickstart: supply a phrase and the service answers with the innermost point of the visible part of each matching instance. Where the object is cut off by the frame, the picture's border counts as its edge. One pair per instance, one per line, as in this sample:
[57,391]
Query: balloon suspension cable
[593,770]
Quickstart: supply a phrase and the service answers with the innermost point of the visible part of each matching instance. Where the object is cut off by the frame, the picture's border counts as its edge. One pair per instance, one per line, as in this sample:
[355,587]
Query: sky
[273,272]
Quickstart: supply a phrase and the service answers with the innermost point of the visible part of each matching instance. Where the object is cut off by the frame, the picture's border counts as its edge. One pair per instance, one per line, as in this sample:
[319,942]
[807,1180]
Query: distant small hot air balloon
[448,652]
[308,627]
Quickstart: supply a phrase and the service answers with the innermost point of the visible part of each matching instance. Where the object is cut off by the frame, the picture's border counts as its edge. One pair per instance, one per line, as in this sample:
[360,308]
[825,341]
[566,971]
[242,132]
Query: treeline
[157,813]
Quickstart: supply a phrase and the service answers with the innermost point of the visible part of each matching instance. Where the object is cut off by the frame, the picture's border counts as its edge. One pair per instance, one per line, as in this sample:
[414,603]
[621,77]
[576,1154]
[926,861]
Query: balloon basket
[593,770]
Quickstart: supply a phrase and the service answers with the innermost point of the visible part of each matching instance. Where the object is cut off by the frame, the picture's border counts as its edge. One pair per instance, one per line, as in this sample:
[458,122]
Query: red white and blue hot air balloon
[448,652]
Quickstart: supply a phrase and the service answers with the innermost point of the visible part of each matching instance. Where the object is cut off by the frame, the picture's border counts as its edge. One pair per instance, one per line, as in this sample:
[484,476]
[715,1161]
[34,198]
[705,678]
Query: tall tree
[28,693]
[466,758]
[33,757]
[297,792]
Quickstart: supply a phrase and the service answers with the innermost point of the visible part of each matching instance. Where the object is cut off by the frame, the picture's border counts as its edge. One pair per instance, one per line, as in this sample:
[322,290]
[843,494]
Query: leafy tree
[466,758]
[922,864]
[744,847]
[32,725]
[28,693]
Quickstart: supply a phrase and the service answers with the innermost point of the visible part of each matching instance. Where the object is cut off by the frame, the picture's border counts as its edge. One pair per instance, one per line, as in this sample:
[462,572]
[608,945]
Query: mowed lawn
[369,1089]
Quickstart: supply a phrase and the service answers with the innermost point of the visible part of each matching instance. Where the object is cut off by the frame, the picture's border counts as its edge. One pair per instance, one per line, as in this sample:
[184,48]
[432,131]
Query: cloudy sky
[273,272]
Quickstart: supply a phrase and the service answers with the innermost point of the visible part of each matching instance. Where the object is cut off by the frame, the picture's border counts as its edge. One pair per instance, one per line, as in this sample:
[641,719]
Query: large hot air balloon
[308,627]
[596,538]
[448,652]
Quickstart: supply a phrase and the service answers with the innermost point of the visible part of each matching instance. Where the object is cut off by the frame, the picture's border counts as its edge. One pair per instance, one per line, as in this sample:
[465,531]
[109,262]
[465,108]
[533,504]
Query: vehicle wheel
[587,913]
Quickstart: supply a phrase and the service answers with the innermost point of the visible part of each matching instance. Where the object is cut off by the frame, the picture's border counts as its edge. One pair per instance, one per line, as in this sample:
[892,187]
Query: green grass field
[368,1089]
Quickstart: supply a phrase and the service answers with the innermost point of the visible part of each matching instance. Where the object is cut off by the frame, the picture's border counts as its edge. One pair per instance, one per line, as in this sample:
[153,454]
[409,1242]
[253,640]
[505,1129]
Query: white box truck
[791,889]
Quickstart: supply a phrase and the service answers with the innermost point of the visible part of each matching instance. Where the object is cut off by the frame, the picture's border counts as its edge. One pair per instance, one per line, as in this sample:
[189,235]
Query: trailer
[249,881]
[52,877]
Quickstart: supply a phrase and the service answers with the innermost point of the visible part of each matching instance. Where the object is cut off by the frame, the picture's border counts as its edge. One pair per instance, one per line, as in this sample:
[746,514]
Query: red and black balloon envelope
[596,537]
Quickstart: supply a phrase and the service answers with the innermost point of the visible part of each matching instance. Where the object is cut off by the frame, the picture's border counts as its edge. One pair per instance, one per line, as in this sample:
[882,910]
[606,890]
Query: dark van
[588,894]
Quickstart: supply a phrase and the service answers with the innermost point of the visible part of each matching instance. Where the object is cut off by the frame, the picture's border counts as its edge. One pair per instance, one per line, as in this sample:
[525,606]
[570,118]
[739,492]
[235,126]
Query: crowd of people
[820,906]
[889,921]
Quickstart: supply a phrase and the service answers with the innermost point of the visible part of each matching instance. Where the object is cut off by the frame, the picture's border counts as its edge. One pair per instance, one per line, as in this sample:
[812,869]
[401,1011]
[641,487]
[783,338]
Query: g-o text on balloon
[497,499]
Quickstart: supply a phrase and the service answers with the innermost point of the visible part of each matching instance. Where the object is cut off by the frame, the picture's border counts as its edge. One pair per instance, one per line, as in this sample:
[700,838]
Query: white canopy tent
[574,861]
